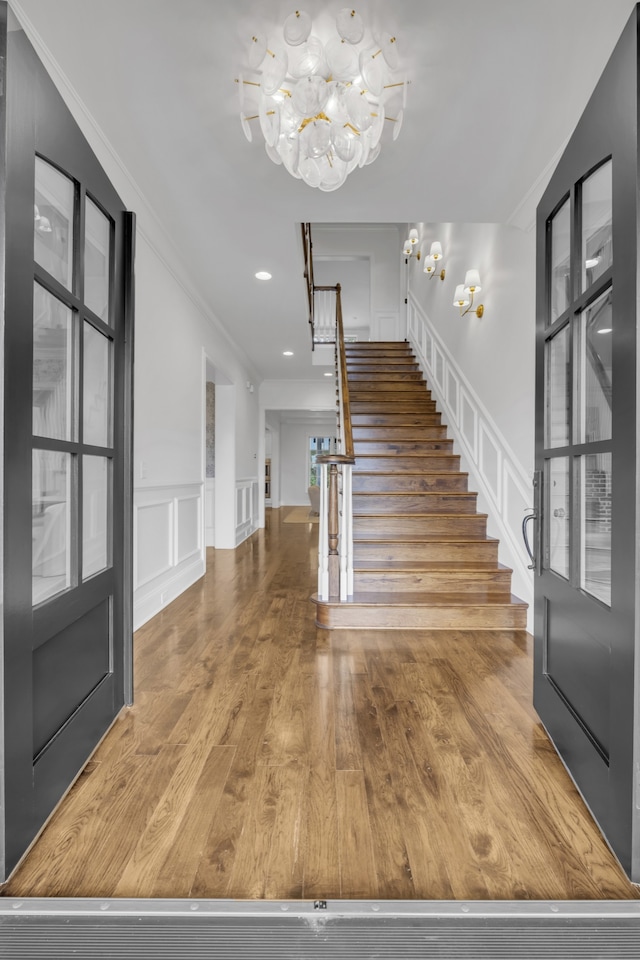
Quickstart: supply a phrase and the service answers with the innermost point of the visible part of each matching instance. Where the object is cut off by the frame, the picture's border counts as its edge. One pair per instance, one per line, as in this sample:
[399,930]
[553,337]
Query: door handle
[535,514]
[525,536]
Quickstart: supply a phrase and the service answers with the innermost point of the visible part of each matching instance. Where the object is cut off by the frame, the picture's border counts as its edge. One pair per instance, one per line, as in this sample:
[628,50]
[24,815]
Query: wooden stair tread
[416,493]
[409,473]
[410,453]
[419,537]
[428,566]
[416,516]
[422,599]
[384,538]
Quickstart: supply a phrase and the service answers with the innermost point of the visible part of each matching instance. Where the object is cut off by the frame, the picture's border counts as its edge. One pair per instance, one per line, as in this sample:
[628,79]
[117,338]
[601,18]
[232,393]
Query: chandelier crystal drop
[323,103]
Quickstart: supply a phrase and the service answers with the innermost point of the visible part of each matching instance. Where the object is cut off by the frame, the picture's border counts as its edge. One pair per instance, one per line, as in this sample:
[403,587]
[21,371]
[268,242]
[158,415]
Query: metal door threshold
[301,930]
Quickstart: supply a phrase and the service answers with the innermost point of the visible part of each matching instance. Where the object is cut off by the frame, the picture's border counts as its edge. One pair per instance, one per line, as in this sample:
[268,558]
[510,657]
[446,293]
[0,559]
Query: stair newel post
[323,537]
[334,557]
[346,540]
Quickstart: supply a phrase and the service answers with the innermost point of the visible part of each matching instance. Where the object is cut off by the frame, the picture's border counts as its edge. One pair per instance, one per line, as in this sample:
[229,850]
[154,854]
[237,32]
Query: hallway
[265,758]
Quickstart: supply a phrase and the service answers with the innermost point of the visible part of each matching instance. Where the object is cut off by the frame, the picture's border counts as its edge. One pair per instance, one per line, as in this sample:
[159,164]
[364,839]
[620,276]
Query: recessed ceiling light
[287,353]
[328,374]
[605,330]
[263,275]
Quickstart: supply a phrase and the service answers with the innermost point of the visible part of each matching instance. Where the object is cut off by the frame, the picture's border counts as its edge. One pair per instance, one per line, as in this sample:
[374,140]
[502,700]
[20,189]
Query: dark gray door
[585,597]
[67,258]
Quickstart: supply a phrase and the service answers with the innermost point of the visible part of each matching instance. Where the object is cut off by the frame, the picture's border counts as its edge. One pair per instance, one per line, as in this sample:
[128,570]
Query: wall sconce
[433,260]
[465,293]
[411,246]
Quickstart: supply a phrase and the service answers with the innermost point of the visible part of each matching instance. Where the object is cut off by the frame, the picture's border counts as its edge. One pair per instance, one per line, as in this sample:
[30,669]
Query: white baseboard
[153,597]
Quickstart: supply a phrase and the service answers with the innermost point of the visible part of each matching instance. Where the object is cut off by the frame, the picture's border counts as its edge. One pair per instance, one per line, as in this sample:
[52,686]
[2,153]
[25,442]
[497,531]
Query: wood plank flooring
[265,758]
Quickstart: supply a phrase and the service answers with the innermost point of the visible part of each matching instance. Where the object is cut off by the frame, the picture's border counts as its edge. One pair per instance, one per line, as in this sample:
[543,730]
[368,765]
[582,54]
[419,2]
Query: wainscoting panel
[490,462]
[494,471]
[210,511]
[188,527]
[247,498]
[153,528]
[469,424]
[168,545]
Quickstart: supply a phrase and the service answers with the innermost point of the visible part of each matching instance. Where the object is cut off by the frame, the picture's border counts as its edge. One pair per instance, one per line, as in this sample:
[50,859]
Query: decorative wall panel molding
[168,545]
[499,476]
[210,509]
[247,507]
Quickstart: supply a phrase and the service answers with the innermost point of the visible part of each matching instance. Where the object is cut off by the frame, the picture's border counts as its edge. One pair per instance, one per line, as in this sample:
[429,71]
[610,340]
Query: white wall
[294,457]
[496,353]
[381,244]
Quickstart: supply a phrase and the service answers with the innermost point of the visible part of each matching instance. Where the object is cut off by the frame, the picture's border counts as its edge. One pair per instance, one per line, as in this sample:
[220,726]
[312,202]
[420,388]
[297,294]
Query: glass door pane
[96,388]
[595,483]
[558,517]
[53,367]
[97,260]
[595,385]
[51,523]
[96,514]
[560,261]
[53,219]
[558,390]
[597,215]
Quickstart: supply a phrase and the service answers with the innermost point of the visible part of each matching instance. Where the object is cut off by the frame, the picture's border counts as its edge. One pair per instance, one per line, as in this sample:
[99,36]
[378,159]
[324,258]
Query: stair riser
[479,585]
[493,617]
[383,447]
[375,404]
[379,356]
[391,419]
[387,376]
[386,380]
[406,483]
[392,368]
[410,504]
[413,389]
[464,527]
[361,433]
[482,551]
[384,350]
[433,464]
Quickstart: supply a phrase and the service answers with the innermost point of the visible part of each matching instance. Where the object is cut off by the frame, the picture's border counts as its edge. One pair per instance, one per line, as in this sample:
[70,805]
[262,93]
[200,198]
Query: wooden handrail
[342,361]
[307,247]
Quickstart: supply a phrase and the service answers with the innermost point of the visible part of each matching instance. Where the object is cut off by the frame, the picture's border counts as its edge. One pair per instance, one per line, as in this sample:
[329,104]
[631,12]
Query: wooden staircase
[422,558]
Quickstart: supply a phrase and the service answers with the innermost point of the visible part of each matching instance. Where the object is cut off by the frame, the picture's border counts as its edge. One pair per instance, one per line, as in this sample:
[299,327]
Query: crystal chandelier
[322,106]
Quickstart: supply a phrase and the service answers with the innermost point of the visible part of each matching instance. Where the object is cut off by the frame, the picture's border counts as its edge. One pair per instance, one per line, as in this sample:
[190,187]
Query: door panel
[68,253]
[586,453]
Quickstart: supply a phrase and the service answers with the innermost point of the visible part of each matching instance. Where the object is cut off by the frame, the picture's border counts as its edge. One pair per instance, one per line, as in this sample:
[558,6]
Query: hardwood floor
[265,758]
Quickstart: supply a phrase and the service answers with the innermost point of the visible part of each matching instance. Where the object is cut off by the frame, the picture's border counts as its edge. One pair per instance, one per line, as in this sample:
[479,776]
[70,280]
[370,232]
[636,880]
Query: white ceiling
[497,87]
